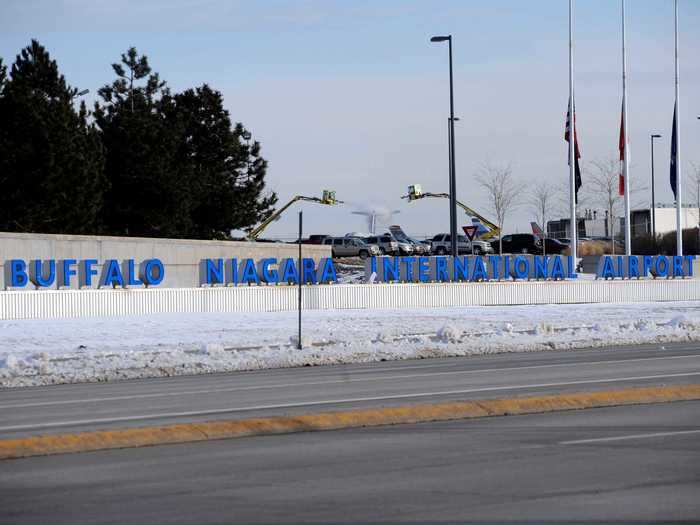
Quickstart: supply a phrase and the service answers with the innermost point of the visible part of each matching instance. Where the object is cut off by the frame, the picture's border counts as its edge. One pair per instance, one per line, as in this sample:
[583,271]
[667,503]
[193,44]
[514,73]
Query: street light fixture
[653,199]
[453,184]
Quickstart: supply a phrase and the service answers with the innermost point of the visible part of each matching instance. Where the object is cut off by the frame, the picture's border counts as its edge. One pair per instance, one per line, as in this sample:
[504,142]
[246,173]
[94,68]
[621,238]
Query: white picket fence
[47,304]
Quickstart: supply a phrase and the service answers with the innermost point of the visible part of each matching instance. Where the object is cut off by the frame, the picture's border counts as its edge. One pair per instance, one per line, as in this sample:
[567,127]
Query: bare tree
[603,178]
[503,191]
[604,184]
[694,184]
[562,198]
[542,198]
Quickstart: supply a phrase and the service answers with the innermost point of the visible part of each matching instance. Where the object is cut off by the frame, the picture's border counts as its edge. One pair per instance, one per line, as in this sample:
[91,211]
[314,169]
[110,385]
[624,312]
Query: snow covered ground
[35,352]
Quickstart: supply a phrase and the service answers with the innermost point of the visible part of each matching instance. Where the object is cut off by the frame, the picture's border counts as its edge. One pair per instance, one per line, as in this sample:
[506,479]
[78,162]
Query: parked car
[316,239]
[519,243]
[419,247]
[405,246]
[441,244]
[416,247]
[351,247]
[386,244]
[554,247]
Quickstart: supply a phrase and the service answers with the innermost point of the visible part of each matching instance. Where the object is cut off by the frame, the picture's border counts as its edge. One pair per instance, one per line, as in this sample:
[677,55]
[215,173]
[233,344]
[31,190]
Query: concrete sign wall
[49,304]
[181,259]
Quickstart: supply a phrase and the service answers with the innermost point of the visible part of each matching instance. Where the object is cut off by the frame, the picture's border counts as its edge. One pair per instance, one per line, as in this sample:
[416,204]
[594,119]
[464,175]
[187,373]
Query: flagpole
[679,178]
[572,140]
[625,166]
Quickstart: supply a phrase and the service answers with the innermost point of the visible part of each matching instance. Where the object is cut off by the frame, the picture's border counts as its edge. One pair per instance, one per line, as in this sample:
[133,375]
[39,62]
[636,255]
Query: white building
[597,225]
[587,227]
[665,217]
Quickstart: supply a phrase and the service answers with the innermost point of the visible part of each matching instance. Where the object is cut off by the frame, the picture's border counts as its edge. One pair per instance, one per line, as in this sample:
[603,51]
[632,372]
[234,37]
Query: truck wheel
[478,251]
[441,250]
[363,254]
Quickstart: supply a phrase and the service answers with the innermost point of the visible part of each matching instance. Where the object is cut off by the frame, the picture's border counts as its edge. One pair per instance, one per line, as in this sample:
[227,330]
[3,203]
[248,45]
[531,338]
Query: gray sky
[351,96]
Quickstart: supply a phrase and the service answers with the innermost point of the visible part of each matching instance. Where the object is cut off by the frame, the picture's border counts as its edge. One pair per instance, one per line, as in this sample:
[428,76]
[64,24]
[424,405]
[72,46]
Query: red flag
[622,152]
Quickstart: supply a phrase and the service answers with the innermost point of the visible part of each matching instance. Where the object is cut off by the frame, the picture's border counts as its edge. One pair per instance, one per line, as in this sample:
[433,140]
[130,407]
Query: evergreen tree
[3,76]
[224,175]
[51,161]
[146,195]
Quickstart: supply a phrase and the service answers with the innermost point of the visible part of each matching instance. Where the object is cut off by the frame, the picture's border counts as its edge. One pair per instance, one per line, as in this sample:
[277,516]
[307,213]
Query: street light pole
[450,141]
[653,198]
[453,183]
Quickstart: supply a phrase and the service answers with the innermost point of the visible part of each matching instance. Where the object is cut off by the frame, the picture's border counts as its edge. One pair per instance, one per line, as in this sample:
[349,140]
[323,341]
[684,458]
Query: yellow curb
[192,432]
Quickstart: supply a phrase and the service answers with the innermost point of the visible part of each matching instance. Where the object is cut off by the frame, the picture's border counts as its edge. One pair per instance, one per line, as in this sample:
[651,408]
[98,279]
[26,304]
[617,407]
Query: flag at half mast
[674,154]
[621,146]
[577,153]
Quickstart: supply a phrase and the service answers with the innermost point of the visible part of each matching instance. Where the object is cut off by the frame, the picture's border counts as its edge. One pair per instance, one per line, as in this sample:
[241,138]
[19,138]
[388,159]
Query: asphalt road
[623,465]
[69,408]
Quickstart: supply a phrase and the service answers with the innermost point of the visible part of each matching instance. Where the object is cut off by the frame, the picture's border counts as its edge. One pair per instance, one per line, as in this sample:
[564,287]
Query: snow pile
[36,352]
[305,341]
[449,334]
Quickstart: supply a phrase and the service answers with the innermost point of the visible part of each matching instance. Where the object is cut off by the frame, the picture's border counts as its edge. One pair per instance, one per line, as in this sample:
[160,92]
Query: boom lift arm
[328,197]
[415,192]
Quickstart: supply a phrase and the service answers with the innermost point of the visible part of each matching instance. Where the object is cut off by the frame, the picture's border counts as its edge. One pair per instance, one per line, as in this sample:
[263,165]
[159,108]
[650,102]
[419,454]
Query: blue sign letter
[214,271]
[521,267]
[88,272]
[36,273]
[18,273]
[111,274]
[67,271]
[152,272]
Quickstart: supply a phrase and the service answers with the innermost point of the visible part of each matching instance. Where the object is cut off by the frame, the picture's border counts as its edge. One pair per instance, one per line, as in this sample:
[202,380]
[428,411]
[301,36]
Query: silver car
[386,243]
[351,247]
[419,248]
[441,245]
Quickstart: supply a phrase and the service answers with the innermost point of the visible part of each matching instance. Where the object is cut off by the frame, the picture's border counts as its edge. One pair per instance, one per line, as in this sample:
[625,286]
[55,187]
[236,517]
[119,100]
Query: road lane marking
[37,404]
[168,415]
[633,436]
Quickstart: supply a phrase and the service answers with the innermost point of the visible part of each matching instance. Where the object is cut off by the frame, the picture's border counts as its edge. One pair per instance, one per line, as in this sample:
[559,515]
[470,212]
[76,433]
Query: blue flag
[674,153]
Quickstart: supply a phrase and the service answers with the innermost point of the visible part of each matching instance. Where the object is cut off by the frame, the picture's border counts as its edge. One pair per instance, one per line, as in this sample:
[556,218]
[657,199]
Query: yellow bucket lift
[328,197]
[415,192]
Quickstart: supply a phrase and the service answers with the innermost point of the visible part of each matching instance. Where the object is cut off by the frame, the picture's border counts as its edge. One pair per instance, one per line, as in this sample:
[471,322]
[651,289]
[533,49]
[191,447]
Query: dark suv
[554,247]
[316,239]
[519,243]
